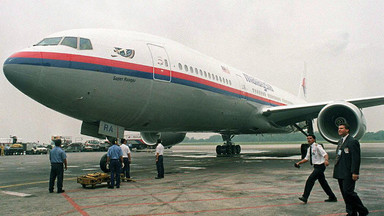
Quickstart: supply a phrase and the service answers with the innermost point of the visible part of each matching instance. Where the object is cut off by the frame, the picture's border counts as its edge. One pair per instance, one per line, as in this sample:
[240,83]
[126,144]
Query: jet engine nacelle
[332,115]
[167,138]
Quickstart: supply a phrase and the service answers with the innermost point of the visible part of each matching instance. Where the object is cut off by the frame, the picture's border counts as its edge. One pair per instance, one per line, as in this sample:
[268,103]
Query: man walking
[57,157]
[346,171]
[319,158]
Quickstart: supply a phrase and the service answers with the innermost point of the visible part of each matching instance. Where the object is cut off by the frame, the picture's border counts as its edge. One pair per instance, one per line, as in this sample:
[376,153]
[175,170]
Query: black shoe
[118,186]
[157,177]
[303,199]
[61,191]
[366,212]
[334,199]
[110,187]
[50,191]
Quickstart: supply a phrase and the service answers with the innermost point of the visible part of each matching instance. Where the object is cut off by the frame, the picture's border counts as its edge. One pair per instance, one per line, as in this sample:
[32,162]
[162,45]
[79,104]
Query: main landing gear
[228,149]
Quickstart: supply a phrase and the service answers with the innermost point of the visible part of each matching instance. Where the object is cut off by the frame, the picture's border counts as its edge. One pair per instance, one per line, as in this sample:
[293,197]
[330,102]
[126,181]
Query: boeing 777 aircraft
[115,80]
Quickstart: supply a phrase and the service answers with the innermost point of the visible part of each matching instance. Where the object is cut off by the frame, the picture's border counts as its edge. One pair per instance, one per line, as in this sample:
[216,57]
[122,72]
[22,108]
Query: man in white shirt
[159,160]
[126,158]
[319,158]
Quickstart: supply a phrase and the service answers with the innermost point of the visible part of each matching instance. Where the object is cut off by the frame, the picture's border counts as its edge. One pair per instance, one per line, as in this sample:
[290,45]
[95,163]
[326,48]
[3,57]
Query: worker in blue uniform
[115,162]
[58,158]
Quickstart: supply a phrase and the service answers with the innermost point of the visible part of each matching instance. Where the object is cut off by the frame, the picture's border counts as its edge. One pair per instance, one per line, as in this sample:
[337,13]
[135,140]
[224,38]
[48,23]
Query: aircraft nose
[22,70]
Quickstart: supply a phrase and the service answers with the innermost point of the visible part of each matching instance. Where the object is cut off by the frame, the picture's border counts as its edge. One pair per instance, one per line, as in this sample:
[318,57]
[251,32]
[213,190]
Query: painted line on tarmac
[17,194]
[188,201]
[180,193]
[75,205]
[229,209]
[31,183]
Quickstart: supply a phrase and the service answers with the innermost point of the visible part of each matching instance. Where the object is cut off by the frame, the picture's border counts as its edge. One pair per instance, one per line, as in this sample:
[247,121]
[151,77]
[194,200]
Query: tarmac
[260,181]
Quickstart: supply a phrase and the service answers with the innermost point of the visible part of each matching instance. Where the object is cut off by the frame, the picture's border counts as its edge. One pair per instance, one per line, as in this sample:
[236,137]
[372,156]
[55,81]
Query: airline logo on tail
[304,86]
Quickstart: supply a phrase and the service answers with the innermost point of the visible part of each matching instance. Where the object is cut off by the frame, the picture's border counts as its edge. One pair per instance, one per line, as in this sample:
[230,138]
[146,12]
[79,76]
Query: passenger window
[85,44]
[209,75]
[191,69]
[217,79]
[201,73]
[49,41]
[186,68]
[196,70]
[180,66]
[70,41]
[205,74]
[166,62]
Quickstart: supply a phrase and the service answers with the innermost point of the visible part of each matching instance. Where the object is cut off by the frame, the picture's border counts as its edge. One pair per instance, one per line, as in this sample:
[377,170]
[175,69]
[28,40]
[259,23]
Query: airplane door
[161,64]
[243,89]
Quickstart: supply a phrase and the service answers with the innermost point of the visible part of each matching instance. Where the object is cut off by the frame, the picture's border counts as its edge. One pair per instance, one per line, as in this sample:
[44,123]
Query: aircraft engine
[340,112]
[168,139]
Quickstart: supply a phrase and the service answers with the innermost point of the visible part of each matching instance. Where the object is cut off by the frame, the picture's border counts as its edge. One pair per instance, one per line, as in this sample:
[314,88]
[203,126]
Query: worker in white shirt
[159,160]
[126,158]
[319,158]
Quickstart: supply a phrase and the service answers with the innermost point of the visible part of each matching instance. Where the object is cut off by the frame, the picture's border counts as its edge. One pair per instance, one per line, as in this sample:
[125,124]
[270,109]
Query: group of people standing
[118,161]
[346,170]
[120,158]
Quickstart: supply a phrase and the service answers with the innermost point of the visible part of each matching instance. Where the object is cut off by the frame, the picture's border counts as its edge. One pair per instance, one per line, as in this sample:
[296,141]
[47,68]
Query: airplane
[115,80]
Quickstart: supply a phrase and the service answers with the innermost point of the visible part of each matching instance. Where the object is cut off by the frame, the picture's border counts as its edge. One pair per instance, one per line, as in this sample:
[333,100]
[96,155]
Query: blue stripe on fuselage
[122,71]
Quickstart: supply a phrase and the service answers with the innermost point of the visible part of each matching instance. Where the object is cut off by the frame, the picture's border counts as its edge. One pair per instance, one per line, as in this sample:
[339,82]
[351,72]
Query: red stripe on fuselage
[137,67]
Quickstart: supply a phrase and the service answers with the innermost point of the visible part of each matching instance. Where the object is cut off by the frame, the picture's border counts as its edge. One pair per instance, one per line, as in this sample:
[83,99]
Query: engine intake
[332,115]
[168,139]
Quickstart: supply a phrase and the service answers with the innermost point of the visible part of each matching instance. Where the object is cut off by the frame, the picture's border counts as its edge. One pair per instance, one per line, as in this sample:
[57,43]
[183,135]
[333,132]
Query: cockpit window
[85,44]
[70,41]
[49,41]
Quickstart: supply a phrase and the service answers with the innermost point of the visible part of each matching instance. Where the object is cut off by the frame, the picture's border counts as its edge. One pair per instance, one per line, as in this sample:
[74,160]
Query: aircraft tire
[238,149]
[218,150]
[103,163]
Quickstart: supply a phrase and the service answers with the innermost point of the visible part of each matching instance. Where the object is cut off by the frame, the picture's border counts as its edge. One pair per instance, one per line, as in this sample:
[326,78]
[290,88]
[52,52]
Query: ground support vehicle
[93,179]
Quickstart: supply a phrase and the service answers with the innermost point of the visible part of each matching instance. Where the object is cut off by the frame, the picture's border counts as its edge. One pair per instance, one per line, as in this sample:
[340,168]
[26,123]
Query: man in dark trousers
[319,158]
[346,171]
[58,158]
[159,160]
[115,162]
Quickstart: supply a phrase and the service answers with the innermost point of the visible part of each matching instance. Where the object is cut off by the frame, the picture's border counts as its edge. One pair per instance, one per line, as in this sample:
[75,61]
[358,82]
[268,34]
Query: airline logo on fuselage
[254,81]
[127,53]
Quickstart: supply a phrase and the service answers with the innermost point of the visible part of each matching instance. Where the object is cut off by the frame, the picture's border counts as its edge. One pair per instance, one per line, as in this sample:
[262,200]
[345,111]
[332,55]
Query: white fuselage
[165,86]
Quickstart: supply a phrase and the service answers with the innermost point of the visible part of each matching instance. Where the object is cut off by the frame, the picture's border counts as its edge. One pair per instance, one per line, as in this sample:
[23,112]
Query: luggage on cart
[93,179]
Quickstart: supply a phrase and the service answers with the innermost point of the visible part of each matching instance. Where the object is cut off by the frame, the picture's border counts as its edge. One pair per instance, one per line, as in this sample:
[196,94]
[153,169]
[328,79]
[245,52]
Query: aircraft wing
[287,115]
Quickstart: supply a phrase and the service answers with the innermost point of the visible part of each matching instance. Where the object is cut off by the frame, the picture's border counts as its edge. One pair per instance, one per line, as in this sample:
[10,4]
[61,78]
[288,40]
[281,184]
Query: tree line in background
[292,137]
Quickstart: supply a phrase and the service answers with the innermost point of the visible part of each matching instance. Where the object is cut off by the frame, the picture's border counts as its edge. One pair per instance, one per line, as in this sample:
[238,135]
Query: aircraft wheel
[218,150]
[103,163]
[238,149]
[229,150]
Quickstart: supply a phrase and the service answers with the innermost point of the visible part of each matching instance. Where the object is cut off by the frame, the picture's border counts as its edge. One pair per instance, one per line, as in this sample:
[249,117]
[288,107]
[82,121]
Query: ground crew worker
[319,158]
[159,160]
[126,158]
[57,157]
[115,162]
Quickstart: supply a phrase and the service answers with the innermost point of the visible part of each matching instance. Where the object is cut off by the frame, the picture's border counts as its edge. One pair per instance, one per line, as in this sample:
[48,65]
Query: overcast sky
[342,43]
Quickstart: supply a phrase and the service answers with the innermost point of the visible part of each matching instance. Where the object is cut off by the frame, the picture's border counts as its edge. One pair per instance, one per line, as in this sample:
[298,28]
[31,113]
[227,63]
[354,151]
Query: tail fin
[303,85]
